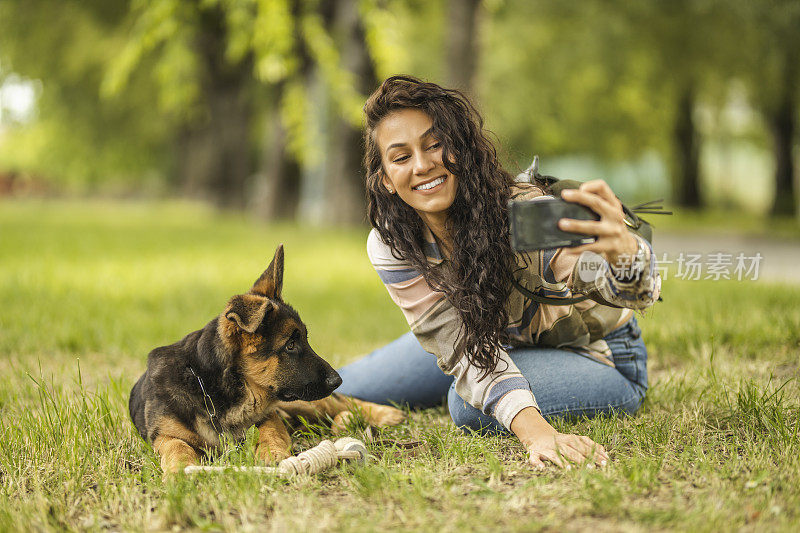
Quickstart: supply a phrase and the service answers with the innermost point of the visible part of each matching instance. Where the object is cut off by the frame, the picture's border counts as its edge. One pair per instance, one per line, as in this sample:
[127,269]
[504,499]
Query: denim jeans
[564,383]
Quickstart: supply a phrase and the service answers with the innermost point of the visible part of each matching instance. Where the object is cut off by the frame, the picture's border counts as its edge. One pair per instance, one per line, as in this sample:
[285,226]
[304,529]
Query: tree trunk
[782,124]
[686,164]
[344,177]
[279,179]
[278,193]
[215,151]
[462,43]
[313,190]
[230,146]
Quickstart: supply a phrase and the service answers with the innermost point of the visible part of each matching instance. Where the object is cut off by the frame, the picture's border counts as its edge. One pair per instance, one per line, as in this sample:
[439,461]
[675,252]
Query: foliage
[76,136]
[601,77]
[769,45]
[568,83]
[122,80]
[276,36]
[169,26]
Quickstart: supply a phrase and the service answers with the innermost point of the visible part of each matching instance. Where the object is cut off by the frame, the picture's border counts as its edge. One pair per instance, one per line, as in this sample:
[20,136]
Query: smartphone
[534,224]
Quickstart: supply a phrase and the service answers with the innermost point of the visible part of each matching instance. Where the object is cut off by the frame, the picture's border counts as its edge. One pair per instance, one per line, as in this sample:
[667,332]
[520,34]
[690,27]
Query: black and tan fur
[255,365]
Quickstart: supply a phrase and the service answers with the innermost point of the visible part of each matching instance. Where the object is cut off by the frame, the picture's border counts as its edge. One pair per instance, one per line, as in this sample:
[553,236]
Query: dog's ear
[248,311]
[271,281]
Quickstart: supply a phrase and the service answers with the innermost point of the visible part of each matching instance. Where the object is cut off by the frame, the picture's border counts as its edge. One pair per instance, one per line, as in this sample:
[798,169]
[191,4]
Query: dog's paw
[383,415]
[174,455]
[270,455]
[374,415]
[341,421]
[170,469]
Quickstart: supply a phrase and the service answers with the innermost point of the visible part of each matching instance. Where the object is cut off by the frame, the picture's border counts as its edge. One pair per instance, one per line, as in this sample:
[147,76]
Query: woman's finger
[536,462]
[554,457]
[596,203]
[601,188]
[599,451]
[587,453]
[601,228]
[588,457]
[579,445]
[570,453]
[597,247]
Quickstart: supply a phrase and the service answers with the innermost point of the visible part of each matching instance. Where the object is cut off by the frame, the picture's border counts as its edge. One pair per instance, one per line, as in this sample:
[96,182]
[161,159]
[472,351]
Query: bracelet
[630,271]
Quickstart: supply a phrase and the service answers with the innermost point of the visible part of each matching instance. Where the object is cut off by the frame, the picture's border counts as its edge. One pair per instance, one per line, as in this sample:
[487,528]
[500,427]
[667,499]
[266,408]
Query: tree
[770,64]
[782,117]
[693,43]
[214,149]
[203,84]
[344,176]
[283,45]
[279,178]
[341,45]
[561,78]
[462,43]
[77,139]
[610,79]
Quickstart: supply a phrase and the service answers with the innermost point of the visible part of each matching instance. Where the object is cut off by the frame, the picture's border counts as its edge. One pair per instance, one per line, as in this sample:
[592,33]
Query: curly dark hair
[482,261]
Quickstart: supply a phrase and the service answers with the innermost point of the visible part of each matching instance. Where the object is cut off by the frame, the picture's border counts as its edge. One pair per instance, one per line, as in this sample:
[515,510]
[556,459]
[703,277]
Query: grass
[89,288]
[726,221]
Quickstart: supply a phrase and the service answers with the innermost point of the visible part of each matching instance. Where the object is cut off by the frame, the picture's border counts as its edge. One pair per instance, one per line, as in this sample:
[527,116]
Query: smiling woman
[413,166]
[438,204]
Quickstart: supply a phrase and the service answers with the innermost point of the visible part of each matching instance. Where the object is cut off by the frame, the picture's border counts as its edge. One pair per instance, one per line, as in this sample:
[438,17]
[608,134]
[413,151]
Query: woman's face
[412,163]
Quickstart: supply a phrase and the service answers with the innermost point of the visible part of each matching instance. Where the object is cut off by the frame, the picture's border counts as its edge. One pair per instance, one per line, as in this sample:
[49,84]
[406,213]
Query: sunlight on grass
[716,446]
[720,221]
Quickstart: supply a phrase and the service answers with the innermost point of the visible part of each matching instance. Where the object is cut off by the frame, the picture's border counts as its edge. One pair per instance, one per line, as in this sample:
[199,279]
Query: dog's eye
[291,347]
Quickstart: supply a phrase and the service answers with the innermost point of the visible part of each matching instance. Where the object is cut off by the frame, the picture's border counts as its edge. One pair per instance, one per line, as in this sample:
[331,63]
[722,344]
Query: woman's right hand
[544,443]
[563,449]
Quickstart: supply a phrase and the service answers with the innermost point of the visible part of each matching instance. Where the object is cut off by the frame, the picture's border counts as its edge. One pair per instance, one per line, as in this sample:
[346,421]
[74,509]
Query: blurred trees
[462,43]
[257,103]
[769,62]
[615,78]
[692,43]
[229,54]
[564,77]
[75,136]
[345,179]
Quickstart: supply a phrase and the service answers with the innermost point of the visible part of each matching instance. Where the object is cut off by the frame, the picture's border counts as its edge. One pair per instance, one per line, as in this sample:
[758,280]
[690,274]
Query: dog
[250,366]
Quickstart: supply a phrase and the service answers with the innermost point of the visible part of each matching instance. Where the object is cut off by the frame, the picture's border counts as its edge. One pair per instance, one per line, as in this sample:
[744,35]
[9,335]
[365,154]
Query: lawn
[88,288]
[726,222]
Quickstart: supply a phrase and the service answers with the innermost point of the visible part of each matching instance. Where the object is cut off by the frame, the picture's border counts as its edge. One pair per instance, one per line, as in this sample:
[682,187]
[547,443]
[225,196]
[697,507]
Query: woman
[437,201]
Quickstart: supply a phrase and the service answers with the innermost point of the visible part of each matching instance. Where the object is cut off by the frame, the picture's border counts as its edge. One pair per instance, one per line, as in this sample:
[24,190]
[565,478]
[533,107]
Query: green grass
[725,221]
[87,289]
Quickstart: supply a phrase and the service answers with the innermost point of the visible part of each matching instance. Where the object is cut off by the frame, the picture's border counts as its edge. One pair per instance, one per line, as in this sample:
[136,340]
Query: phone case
[534,224]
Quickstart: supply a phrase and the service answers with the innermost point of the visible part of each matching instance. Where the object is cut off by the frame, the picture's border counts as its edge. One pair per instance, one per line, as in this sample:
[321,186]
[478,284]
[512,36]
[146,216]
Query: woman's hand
[614,241]
[562,449]
[544,443]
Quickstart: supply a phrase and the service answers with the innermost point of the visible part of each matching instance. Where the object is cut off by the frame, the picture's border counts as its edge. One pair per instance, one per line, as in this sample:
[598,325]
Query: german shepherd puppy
[248,366]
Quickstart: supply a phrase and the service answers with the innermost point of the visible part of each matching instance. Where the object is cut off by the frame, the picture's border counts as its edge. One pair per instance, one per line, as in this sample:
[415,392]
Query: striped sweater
[559,273]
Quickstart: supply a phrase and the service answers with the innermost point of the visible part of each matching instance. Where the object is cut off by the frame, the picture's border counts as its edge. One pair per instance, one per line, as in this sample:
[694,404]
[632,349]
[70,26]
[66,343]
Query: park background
[154,153]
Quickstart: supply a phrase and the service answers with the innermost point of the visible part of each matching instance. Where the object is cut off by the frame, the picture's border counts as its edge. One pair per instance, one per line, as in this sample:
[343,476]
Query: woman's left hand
[614,241]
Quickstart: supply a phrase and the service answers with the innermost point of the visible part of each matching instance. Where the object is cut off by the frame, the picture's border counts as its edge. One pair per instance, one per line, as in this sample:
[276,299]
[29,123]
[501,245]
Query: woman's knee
[633,404]
[628,406]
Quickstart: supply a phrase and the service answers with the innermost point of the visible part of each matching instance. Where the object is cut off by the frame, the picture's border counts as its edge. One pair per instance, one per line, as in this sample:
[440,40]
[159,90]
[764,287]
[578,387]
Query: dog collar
[212,412]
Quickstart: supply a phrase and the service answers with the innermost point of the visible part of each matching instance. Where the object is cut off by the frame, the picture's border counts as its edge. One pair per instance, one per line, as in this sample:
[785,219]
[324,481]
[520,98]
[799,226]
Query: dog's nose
[333,381]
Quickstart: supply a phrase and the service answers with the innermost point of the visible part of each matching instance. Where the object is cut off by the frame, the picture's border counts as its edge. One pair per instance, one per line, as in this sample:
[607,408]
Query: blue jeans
[564,383]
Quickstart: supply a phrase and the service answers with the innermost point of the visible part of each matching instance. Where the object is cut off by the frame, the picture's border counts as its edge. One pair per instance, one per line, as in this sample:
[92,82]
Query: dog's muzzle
[312,390]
